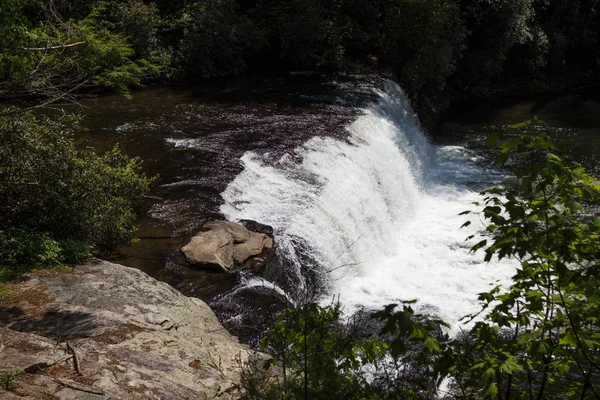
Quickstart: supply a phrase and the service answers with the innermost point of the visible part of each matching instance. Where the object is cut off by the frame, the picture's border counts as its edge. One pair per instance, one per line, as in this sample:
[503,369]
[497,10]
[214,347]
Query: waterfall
[375,215]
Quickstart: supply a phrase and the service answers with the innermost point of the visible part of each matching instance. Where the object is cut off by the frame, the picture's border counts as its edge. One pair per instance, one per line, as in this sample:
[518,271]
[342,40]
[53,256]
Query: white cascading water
[378,213]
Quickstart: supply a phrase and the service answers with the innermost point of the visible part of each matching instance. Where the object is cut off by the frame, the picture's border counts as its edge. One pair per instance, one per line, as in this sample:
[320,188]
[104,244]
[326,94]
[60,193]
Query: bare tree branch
[62,46]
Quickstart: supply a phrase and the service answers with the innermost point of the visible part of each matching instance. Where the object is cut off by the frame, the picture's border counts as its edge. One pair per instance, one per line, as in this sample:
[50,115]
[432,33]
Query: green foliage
[421,40]
[10,380]
[20,247]
[107,57]
[319,358]
[51,57]
[14,31]
[141,24]
[322,356]
[416,357]
[127,76]
[59,204]
[540,335]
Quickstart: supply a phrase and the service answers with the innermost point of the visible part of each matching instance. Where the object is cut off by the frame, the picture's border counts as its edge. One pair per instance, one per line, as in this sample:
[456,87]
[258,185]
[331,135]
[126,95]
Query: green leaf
[521,125]
[501,158]
[479,245]
[478,366]
[510,365]
[568,339]
[489,373]
[491,391]
[492,139]
[432,345]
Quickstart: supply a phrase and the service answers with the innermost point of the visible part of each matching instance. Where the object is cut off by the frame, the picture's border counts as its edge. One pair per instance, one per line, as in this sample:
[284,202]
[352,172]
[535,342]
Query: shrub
[59,204]
[540,337]
[319,355]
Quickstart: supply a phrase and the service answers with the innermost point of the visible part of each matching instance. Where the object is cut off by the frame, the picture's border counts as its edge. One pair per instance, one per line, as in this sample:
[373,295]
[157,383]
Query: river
[363,204]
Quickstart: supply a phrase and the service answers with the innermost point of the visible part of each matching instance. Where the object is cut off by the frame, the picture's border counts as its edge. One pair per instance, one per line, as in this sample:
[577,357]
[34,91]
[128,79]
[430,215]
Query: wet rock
[136,338]
[225,246]
[257,227]
[248,311]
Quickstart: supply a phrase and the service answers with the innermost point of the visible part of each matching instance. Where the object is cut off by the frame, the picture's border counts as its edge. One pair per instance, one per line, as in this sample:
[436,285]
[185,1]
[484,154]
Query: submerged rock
[135,338]
[255,226]
[248,311]
[225,245]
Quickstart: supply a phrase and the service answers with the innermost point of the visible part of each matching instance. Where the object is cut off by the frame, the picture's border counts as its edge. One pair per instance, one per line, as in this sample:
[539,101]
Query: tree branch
[62,46]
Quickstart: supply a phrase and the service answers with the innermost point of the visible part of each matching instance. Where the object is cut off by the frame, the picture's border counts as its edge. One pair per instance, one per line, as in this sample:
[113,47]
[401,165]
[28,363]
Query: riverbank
[109,331]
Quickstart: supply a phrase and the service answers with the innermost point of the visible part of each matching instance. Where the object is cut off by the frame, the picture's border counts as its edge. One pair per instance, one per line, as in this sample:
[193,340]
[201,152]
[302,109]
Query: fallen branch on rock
[79,386]
[44,365]
[76,362]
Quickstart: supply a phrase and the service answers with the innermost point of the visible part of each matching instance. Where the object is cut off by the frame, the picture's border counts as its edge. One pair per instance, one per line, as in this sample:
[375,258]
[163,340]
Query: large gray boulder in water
[135,338]
[225,245]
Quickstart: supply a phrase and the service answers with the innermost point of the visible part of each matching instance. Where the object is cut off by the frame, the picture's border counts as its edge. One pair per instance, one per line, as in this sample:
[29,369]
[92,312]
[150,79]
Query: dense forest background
[440,51]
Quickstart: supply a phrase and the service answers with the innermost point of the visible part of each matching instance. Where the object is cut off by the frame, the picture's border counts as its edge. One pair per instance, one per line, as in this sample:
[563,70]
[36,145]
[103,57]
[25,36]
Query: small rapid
[374,217]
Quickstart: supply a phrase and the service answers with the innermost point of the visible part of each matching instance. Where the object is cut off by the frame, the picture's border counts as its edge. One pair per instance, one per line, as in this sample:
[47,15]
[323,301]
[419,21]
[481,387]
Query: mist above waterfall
[376,214]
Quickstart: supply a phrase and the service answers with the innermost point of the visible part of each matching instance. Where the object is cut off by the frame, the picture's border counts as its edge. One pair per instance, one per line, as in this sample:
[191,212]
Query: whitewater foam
[377,211]
[183,143]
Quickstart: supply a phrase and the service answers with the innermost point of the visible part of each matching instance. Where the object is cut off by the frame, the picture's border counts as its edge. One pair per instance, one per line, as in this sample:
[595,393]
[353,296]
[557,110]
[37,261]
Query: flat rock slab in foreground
[135,338]
[225,245]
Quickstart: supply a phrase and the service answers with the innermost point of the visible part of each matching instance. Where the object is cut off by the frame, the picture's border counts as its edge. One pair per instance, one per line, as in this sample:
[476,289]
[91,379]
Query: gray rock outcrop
[225,245]
[135,338]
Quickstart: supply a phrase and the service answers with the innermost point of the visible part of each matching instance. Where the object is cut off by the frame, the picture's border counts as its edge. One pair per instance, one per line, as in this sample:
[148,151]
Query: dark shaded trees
[527,45]
[215,40]
[438,50]
[422,42]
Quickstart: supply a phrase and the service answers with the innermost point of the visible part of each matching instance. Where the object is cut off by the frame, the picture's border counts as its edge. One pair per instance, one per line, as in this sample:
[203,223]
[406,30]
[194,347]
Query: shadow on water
[573,123]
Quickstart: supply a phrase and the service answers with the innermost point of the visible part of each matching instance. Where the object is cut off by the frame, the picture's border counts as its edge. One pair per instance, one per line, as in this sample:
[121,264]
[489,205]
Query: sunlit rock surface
[135,338]
[225,245]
